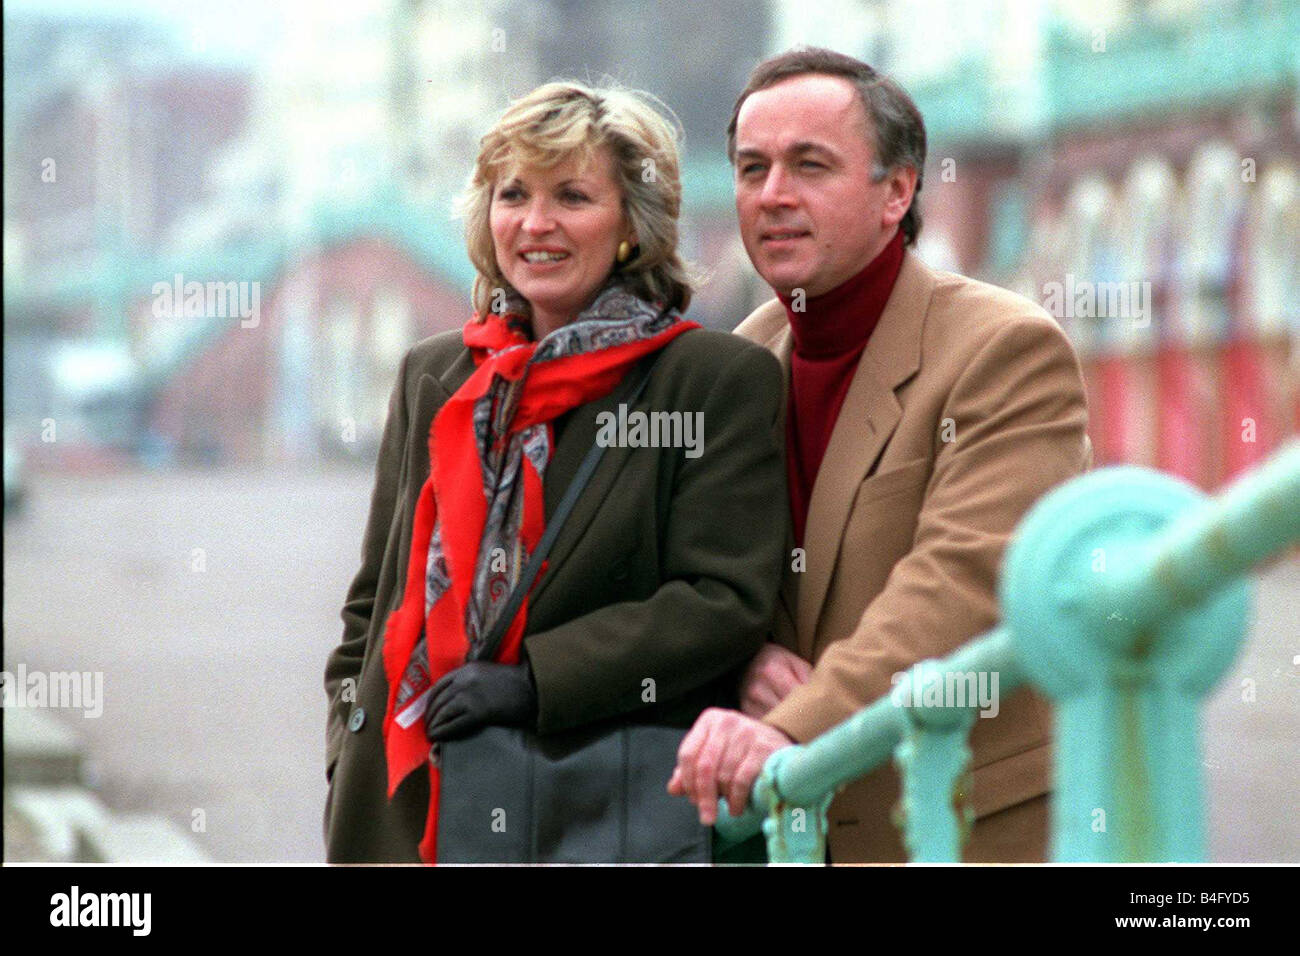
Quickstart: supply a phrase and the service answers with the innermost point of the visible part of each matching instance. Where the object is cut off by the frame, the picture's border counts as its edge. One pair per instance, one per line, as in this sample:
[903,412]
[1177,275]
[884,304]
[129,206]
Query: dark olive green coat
[666,571]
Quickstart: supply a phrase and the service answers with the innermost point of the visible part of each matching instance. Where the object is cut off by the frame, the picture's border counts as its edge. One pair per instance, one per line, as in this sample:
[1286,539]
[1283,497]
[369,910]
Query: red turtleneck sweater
[829,336]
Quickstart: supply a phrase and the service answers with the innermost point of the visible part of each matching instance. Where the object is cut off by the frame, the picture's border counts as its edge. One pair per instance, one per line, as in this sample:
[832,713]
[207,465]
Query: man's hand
[722,756]
[771,675]
[480,693]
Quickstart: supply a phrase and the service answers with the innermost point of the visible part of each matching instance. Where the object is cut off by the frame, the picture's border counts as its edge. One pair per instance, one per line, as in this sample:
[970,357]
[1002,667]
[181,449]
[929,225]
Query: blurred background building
[1143,142]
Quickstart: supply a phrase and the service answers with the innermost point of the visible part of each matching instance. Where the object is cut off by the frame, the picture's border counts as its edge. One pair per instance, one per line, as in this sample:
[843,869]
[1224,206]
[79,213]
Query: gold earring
[624,250]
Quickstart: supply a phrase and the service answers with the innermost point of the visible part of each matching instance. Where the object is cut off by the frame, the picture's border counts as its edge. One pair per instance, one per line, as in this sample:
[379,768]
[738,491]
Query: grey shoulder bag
[595,794]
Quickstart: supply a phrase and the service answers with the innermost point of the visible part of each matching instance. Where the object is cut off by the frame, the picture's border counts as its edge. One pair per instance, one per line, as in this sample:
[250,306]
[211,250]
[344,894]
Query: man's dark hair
[896,123]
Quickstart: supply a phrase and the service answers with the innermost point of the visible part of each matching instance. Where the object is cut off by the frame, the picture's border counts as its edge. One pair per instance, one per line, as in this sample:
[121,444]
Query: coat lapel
[431,392]
[865,423]
[577,438]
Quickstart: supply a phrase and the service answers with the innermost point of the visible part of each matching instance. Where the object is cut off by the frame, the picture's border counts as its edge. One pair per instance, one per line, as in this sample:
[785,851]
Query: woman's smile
[543,257]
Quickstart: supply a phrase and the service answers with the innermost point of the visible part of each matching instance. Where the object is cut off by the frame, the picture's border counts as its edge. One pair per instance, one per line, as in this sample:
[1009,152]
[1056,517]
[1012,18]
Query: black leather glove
[480,693]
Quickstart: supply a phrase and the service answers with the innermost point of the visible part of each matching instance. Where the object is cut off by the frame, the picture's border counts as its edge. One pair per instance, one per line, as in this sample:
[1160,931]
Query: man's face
[810,215]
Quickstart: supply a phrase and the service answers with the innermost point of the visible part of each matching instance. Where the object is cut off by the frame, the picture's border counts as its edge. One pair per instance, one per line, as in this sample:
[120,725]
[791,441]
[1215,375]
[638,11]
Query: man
[926,412]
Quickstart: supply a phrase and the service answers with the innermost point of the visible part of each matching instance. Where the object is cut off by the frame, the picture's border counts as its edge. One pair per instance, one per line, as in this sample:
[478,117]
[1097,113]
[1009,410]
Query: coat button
[619,570]
[357,720]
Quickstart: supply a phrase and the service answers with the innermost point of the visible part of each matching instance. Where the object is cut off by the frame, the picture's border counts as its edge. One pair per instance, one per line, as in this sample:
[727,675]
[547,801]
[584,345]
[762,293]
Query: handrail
[1123,601]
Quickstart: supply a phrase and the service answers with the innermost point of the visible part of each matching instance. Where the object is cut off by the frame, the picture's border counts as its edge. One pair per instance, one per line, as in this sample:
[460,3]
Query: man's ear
[902,187]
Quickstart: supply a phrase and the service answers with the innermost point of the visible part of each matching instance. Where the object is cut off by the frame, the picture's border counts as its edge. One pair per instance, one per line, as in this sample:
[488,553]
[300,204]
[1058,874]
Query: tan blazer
[967,405]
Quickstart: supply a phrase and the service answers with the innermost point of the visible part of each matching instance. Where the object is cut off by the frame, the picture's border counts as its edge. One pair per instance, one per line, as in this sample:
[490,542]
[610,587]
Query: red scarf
[512,393]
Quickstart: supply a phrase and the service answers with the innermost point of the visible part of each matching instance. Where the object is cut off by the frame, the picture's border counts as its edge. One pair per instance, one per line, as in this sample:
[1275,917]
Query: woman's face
[556,233]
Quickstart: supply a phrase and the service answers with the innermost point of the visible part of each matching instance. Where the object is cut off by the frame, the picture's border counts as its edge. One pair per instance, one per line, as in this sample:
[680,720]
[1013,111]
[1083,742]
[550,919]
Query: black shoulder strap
[488,649]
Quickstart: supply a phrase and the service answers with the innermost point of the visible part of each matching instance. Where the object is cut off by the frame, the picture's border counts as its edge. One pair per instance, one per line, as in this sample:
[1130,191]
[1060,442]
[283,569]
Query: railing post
[1124,602]
[933,760]
[1126,683]
[795,834]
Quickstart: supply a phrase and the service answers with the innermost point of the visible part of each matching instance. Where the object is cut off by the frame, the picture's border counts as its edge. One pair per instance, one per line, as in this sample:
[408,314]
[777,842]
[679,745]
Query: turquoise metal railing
[1124,602]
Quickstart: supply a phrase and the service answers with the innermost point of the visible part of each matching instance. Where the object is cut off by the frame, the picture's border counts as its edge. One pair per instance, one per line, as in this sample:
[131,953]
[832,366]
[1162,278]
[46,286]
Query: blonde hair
[551,124]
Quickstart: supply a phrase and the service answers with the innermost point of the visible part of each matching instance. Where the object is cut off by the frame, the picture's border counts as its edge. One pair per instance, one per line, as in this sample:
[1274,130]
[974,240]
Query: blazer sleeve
[345,660]
[720,561]
[1020,415]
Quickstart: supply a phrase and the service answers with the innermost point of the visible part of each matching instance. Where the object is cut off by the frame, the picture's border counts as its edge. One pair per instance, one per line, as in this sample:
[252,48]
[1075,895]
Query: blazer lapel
[865,423]
[781,345]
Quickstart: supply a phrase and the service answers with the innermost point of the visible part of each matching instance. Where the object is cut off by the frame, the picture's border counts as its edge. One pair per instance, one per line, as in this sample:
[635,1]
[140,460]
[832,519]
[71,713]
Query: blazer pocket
[879,532]
[1011,780]
[905,477]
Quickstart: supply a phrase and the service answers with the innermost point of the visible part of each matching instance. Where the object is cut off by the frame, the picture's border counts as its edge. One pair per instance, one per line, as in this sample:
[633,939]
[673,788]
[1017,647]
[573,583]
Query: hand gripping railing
[1123,601]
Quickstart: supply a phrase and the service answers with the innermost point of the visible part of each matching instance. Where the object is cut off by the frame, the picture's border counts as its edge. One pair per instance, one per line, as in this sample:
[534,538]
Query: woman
[662,581]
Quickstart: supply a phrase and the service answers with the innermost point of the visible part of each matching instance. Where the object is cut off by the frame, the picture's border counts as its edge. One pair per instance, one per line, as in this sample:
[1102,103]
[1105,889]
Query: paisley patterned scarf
[480,512]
